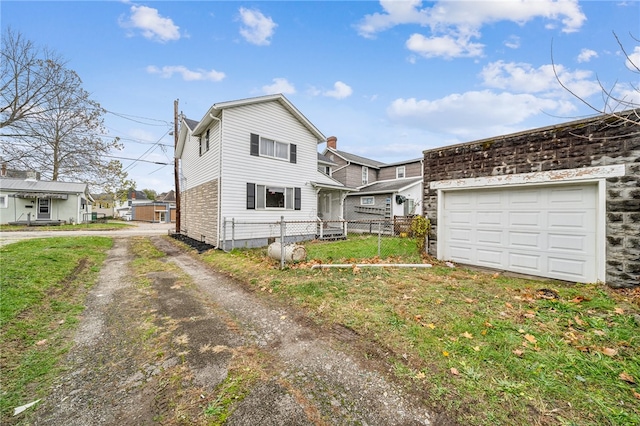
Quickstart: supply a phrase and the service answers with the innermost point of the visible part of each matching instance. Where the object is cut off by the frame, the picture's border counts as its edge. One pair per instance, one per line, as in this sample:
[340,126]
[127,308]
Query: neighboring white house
[30,201]
[253,160]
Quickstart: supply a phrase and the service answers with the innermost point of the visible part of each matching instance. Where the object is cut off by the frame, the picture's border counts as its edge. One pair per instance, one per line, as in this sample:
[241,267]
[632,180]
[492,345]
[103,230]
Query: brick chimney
[332,142]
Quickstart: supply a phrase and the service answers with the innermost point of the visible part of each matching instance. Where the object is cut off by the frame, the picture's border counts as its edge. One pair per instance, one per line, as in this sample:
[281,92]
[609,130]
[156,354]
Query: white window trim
[275,143]
[365,175]
[367,197]
[404,172]
[289,197]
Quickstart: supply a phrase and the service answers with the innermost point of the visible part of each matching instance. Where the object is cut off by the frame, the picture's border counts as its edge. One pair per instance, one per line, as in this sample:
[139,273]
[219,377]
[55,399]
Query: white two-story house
[252,161]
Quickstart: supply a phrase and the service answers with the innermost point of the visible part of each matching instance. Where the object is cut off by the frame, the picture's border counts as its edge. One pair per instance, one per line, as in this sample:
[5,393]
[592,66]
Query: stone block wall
[600,141]
[198,212]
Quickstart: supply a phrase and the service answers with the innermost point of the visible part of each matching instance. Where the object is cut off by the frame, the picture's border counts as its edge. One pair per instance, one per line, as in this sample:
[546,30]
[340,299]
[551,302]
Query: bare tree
[48,121]
[616,101]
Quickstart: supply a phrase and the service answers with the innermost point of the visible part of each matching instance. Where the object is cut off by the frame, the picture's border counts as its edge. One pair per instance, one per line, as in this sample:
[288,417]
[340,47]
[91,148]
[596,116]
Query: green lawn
[43,283]
[112,225]
[489,348]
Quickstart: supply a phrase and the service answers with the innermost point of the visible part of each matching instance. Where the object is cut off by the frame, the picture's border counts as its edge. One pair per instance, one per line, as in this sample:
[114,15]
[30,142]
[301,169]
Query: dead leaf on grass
[467,335]
[420,375]
[488,324]
[41,342]
[508,305]
[431,326]
[578,320]
[636,394]
[530,338]
[455,371]
[609,351]
[627,378]
[517,352]
[599,332]
[468,300]
[530,314]
[476,348]
[619,311]
[580,299]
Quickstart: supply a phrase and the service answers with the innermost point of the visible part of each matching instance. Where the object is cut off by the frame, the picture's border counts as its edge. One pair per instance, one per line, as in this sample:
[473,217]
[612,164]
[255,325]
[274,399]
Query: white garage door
[549,231]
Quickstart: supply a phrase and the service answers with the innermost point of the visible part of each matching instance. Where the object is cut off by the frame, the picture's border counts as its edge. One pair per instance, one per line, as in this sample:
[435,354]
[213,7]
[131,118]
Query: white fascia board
[552,176]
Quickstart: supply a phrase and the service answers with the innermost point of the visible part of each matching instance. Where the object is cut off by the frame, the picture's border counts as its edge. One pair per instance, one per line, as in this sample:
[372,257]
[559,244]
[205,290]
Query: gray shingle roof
[41,186]
[386,186]
[357,159]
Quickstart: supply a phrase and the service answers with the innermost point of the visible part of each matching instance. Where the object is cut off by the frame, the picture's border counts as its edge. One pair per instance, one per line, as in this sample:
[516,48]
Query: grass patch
[488,348]
[99,226]
[44,283]
[363,248]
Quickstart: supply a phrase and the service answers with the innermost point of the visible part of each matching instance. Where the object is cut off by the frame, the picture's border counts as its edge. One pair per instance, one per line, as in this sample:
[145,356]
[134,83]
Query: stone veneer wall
[198,212]
[600,141]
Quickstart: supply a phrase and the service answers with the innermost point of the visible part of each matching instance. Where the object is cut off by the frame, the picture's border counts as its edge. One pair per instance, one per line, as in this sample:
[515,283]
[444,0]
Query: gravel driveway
[310,376]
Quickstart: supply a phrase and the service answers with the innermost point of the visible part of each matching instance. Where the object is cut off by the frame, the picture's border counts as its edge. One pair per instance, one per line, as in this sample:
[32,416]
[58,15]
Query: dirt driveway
[172,351]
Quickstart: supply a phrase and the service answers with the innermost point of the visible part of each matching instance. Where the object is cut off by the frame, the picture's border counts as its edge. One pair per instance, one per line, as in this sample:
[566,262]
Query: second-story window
[400,172]
[365,175]
[264,147]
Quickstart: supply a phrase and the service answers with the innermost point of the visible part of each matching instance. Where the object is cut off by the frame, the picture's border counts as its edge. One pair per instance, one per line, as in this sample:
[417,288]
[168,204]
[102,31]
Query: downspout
[219,206]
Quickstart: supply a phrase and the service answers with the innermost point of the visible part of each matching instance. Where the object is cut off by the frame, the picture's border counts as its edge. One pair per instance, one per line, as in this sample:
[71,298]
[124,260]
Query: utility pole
[176,168]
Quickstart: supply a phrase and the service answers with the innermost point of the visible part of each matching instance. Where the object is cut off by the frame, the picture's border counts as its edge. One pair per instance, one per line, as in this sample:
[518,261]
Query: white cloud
[151,24]
[280,85]
[633,60]
[340,91]
[187,74]
[453,23]
[446,46]
[257,28]
[473,114]
[522,77]
[513,42]
[586,55]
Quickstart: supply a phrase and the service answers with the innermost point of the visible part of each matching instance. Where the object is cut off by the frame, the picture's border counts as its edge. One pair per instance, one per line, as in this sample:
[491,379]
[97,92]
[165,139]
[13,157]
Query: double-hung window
[4,201]
[260,197]
[265,147]
[204,142]
[400,172]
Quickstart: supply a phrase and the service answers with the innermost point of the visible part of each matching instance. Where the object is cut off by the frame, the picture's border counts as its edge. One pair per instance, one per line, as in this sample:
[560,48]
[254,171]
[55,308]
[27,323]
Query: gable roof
[215,110]
[39,188]
[192,124]
[386,186]
[323,159]
[352,158]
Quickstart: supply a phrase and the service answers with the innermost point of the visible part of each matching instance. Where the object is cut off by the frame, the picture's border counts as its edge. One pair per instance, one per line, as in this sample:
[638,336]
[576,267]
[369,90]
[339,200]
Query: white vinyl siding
[547,230]
[197,169]
[271,119]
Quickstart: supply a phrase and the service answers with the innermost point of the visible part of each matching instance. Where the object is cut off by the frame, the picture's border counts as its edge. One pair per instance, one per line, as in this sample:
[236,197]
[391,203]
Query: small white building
[35,202]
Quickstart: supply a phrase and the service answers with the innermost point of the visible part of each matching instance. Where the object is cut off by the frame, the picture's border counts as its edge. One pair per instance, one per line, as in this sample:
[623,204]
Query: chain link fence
[370,239]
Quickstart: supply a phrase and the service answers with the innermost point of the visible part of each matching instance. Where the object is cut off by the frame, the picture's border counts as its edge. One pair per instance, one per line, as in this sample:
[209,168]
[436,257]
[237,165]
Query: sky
[389,79]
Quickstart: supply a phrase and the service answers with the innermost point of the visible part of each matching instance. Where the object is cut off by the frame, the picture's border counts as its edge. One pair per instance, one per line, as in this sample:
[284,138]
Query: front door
[44,209]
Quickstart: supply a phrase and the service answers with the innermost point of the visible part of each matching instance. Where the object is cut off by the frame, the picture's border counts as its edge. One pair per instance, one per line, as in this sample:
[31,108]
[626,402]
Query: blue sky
[389,79]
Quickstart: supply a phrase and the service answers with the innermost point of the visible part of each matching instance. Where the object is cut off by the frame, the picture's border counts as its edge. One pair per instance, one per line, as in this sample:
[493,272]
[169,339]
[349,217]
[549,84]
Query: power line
[137,160]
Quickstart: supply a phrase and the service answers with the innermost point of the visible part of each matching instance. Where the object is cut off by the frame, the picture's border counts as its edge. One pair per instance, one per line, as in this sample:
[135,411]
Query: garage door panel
[525,240]
[569,269]
[575,220]
[489,218]
[460,234]
[461,217]
[531,219]
[490,258]
[570,197]
[548,231]
[525,262]
[488,236]
[571,243]
[462,254]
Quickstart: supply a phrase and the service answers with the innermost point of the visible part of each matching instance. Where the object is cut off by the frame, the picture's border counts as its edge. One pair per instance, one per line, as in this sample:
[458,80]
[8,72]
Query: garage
[544,230]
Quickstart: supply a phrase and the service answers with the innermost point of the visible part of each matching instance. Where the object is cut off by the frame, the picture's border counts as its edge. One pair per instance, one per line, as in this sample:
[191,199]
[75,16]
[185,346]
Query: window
[325,169]
[365,175]
[204,143]
[400,172]
[264,147]
[4,201]
[261,197]
[367,201]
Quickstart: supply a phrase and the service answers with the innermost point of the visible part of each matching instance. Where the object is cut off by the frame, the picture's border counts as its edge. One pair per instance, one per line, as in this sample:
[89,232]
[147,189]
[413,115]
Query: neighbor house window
[325,169]
[204,143]
[400,172]
[365,175]
[4,201]
[367,201]
[261,197]
[265,147]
